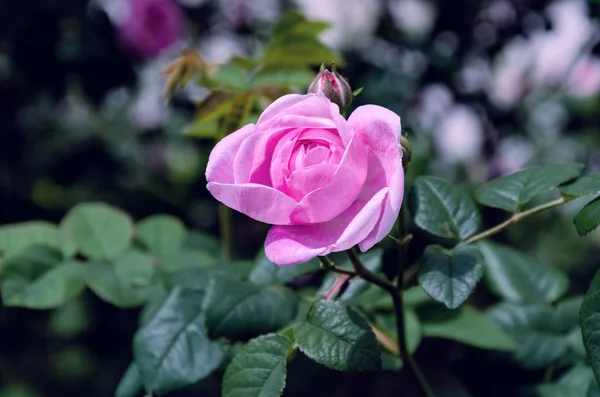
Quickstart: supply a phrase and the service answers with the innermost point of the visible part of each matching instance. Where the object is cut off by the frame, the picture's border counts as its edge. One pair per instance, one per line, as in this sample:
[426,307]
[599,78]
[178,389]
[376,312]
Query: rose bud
[333,86]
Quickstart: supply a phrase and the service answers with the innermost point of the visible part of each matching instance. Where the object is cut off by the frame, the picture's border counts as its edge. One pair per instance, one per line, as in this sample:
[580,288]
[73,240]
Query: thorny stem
[366,274]
[398,300]
[396,292]
[340,281]
[328,264]
[514,219]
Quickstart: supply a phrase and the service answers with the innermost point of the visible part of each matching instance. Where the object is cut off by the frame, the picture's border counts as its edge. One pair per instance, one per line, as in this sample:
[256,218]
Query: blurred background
[484,88]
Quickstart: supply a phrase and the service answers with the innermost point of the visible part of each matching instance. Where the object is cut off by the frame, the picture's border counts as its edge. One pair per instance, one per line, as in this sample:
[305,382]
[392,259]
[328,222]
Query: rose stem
[514,219]
[226,228]
[398,299]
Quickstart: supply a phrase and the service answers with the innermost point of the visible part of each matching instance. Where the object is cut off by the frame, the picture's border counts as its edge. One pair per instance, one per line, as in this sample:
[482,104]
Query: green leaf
[172,350]
[215,105]
[186,258]
[203,242]
[390,361]
[512,191]
[297,52]
[243,62]
[161,234]
[100,231]
[196,277]
[231,77]
[588,219]
[450,277]
[130,384]
[294,24]
[583,186]
[589,319]
[376,299]
[123,282]
[38,278]
[266,272]
[15,238]
[201,130]
[372,261]
[415,297]
[291,77]
[520,278]
[259,369]
[157,294]
[578,378]
[542,339]
[357,91]
[443,209]
[339,338]
[594,389]
[465,325]
[236,309]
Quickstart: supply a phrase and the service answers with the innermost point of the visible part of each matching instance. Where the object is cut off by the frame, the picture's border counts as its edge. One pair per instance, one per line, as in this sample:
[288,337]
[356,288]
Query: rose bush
[324,182]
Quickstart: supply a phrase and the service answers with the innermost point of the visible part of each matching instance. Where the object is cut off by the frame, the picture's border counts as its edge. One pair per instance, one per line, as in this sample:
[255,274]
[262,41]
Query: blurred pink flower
[584,79]
[150,26]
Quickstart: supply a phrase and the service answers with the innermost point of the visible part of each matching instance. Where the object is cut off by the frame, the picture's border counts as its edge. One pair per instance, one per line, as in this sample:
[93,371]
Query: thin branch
[384,339]
[398,299]
[514,219]
[403,349]
[339,282]
[365,273]
[328,264]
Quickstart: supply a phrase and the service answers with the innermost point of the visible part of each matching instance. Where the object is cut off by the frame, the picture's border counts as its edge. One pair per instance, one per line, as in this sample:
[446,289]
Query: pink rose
[324,182]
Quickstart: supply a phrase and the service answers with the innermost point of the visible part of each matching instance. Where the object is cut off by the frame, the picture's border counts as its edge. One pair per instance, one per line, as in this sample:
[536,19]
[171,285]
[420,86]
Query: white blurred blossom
[352,21]
[220,47]
[545,58]
[475,76]
[513,154]
[435,101]
[415,18]
[459,138]
[149,109]
[510,73]
[243,12]
[557,50]
[501,13]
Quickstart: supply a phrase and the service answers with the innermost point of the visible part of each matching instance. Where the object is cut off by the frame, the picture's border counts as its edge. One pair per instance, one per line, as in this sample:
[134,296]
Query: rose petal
[290,245]
[372,120]
[316,155]
[328,135]
[304,181]
[253,159]
[380,130]
[329,201]
[259,202]
[389,214]
[279,163]
[309,105]
[220,161]
[341,123]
